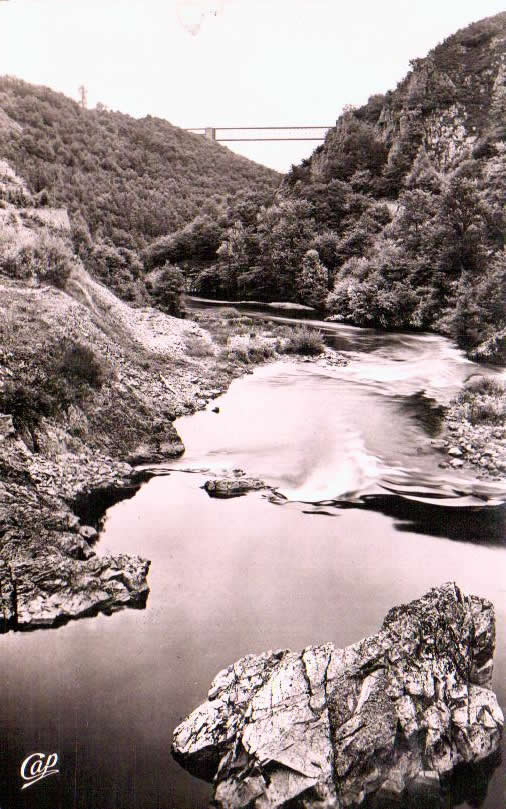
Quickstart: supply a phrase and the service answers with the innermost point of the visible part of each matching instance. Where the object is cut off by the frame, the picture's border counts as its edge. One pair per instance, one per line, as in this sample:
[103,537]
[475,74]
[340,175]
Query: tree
[312,281]
[354,146]
[285,232]
[423,175]
[233,254]
[477,312]
[168,290]
[327,246]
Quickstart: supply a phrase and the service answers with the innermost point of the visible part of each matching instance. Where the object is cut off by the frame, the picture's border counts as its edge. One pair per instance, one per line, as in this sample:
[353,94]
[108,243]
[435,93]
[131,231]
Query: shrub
[483,400]
[80,364]
[25,403]
[491,350]
[229,313]
[487,385]
[168,290]
[198,347]
[257,352]
[488,411]
[47,260]
[49,382]
[241,354]
[305,341]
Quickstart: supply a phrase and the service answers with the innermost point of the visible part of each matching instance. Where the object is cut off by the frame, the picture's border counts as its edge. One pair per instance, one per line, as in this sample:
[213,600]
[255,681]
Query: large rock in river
[326,727]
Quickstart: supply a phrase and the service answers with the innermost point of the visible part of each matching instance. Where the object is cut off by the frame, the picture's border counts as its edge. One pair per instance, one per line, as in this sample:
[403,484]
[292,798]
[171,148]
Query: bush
[239,353]
[257,352]
[483,400]
[80,364]
[168,290]
[305,341]
[229,313]
[198,347]
[25,403]
[49,382]
[48,260]
[488,411]
[487,385]
[492,350]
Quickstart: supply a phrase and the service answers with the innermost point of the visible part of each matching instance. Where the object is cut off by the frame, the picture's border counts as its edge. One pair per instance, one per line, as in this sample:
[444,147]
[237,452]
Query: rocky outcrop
[49,571]
[157,449]
[327,727]
[51,590]
[6,427]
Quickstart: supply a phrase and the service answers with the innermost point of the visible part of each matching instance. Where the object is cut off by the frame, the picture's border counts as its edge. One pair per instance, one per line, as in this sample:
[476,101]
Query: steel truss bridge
[261,133]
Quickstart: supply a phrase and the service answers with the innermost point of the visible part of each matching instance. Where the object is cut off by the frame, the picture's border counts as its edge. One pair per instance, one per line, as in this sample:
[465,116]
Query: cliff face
[451,102]
[456,95]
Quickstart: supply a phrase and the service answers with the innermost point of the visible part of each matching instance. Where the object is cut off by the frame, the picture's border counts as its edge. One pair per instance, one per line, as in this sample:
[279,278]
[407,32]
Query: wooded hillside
[397,220]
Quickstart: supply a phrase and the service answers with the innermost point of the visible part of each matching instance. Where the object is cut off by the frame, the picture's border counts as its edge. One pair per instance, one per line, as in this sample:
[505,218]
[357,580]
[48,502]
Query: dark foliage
[49,381]
[79,364]
[167,287]
[26,404]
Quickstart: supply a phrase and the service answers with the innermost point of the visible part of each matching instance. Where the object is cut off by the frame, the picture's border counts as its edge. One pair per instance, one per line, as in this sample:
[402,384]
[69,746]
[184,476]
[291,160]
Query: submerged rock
[326,727]
[232,487]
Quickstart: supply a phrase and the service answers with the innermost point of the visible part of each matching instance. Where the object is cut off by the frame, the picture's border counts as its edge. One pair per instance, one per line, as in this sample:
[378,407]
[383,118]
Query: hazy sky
[227,62]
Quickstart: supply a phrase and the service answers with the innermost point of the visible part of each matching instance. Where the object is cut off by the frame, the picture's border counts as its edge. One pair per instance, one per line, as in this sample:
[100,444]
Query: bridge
[261,133]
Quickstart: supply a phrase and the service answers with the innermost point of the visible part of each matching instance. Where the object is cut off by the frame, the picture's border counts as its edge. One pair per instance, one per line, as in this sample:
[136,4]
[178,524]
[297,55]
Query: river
[362,518]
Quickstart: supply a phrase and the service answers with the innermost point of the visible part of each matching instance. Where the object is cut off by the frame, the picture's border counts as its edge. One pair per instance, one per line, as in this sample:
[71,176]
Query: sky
[201,63]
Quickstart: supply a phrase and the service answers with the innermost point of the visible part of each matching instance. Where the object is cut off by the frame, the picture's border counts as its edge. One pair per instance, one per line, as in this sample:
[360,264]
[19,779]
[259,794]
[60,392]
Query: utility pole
[83,101]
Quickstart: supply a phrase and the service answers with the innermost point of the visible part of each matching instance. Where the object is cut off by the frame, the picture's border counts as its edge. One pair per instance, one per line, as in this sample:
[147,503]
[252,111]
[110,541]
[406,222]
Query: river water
[361,519]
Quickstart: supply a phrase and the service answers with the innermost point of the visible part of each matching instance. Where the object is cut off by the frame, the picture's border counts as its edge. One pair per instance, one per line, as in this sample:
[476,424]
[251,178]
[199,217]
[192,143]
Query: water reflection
[486,525]
[467,785]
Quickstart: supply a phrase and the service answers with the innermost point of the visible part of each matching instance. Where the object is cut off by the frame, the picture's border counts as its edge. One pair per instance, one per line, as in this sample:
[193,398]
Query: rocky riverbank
[474,429]
[89,388]
[391,716]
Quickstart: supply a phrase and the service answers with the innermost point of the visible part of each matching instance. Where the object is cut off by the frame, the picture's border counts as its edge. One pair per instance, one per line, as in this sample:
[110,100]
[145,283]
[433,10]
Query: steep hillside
[399,214]
[452,104]
[73,357]
[124,180]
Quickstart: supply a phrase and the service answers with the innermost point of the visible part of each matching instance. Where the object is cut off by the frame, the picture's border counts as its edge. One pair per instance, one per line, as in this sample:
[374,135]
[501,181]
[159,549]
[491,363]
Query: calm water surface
[364,520]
